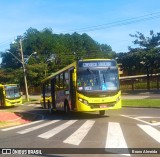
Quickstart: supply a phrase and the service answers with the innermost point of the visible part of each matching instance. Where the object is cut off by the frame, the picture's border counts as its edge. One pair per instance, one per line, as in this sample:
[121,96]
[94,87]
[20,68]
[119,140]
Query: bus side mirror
[66,92]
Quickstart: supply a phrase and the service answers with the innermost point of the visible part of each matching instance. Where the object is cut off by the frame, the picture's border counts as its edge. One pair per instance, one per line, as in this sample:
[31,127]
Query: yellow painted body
[97,104]
[47,99]
[14,102]
[84,103]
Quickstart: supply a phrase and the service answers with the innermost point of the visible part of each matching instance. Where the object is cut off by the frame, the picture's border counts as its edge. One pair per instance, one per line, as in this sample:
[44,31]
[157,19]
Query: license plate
[103,106]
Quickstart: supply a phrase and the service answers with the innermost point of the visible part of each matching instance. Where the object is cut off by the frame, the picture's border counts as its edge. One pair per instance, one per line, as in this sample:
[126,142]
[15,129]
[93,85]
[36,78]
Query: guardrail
[151,81]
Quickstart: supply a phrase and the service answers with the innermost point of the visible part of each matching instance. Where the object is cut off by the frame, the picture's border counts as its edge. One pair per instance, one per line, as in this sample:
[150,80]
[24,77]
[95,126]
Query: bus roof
[59,72]
[8,84]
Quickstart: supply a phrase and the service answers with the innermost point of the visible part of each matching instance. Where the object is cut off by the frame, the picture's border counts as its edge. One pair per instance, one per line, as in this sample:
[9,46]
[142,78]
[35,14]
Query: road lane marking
[137,118]
[140,117]
[19,126]
[79,134]
[37,127]
[115,138]
[156,124]
[154,133]
[56,130]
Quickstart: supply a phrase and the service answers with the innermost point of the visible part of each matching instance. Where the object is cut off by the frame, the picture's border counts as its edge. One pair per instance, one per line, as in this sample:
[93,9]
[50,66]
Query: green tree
[147,52]
[54,51]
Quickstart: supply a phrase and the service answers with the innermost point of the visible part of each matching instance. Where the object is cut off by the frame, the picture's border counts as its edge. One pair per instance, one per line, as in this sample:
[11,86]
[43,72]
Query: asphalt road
[128,128]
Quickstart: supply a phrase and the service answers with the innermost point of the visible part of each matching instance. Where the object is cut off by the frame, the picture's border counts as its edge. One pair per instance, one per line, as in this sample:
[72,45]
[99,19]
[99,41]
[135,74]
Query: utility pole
[24,68]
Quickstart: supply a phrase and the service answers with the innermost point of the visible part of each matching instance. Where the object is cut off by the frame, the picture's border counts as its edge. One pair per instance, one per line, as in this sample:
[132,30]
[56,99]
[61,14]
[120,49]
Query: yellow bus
[85,85]
[10,95]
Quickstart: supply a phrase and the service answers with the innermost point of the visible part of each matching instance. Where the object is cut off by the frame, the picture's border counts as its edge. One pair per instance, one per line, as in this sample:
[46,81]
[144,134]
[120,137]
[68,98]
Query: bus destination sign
[97,64]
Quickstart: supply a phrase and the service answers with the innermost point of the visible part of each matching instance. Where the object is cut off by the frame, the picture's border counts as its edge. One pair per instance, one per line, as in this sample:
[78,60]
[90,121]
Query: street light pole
[24,70]
[23,65]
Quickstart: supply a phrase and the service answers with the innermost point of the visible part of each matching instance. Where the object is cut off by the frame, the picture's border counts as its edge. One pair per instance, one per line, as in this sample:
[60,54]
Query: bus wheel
[102,112]
[66,107]
[49,107]
[44,106]
[50,110]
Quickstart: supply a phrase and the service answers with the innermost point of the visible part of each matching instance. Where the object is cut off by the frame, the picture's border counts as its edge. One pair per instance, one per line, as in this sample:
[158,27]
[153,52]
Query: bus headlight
[8,96]
[118,99]
[83,101]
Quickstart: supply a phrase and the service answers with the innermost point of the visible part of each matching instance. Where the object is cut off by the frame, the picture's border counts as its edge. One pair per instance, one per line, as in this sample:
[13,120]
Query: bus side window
[66,80]
[57,82]
[61,81]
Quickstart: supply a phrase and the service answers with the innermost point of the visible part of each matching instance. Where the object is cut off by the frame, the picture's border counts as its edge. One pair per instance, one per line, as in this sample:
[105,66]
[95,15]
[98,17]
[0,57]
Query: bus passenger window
[66,80]
[57,82]
[61,81]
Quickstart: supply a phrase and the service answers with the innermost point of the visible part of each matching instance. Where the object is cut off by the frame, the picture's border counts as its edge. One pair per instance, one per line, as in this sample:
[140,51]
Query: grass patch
[141,103]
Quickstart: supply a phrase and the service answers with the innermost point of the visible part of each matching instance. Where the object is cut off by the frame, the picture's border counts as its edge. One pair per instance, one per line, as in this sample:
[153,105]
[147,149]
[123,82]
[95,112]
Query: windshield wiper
[90,71]
[104,79]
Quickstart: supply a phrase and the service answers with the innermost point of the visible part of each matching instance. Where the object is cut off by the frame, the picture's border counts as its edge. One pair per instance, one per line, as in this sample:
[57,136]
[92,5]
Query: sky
[106,21]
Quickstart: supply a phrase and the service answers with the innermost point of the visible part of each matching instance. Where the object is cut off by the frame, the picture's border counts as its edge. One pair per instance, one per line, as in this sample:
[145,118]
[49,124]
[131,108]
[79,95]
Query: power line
[124,22]
[118,23]
[6,42]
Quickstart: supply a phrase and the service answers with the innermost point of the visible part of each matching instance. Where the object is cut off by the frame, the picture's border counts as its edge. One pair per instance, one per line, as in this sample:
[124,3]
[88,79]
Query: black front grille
[99,94]
[15,102]
[108,104]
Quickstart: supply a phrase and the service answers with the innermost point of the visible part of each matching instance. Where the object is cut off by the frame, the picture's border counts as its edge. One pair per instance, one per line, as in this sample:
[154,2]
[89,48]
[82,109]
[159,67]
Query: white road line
[137,118]
[156,124]
[79,134]
[56,130]
[115,138]
[141,117]
[154,133]
[37,127]
[19,126]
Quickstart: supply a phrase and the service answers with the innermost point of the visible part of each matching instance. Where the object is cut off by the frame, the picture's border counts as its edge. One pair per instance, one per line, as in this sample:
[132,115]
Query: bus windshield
[12,92]
[104,79]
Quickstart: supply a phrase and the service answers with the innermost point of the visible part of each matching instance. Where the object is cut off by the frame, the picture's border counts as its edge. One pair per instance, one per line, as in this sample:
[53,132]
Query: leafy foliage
[143,59]
[54,51]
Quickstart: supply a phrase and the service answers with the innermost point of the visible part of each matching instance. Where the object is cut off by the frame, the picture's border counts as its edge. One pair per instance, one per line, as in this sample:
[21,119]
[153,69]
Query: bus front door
[1,97]
[72,90]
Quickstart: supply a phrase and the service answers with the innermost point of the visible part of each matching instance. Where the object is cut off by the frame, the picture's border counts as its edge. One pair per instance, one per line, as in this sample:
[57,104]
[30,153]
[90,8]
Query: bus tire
[49,107]
[102,112]
[43,106]
[66,107]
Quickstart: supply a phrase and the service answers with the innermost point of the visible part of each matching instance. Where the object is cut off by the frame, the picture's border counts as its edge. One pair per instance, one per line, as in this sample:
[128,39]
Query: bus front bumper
[99,106]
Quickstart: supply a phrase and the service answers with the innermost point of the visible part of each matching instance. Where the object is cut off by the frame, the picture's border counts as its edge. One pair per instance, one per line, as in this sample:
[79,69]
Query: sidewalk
[11,116]
[8,119]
